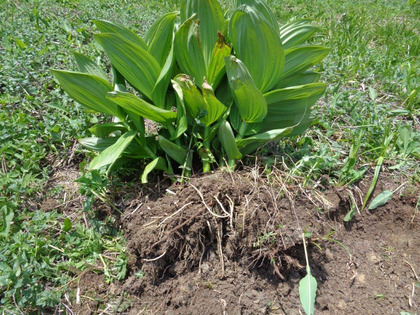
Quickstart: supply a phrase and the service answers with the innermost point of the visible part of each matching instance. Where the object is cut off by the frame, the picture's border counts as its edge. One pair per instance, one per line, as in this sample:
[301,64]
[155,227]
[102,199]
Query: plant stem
[206,145]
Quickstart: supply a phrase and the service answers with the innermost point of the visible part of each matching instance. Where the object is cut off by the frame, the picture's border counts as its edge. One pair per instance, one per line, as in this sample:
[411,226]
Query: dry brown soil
[232,244]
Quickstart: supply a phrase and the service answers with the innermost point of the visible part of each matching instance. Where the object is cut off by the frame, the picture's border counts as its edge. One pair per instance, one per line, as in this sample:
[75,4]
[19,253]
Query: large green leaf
[297,32]
[262,7]
[211,21]
[202,106]
[215,109]
[141,107]
[133,150]
[179,154]
[193,100]
[251,144]
[113,152]
[189,52]
[300,58]
[86,65]
[257,43]
[104,130]
[248,98]
[88,90]
[160,89]
[291,106]
[159,37]
[295,92]
[181,119]
[228,141]
[137,65]
[97,144]
[298,78]
[108,27]
[216,67]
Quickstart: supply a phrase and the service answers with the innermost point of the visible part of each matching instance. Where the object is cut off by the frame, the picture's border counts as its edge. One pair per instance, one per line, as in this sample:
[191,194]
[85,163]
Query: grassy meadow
[369,118]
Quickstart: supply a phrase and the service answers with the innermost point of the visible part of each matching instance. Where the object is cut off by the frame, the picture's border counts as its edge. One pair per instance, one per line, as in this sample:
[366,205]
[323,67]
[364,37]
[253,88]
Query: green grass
[370,111]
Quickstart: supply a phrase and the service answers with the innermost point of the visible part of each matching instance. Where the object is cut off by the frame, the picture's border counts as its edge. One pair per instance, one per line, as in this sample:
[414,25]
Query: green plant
[216,86]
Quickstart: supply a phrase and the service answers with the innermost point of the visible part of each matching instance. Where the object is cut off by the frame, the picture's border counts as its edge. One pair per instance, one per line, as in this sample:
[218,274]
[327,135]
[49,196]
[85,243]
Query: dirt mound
[232,244]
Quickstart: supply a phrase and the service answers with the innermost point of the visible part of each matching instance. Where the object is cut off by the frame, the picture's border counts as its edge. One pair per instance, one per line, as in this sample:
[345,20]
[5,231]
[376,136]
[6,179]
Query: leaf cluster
[201,85]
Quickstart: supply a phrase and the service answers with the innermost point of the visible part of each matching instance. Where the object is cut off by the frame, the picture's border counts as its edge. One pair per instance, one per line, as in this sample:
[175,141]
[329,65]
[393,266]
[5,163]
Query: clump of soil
[232,244]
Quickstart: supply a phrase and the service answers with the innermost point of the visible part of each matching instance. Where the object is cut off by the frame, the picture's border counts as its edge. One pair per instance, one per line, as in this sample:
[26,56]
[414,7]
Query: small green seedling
[307,286]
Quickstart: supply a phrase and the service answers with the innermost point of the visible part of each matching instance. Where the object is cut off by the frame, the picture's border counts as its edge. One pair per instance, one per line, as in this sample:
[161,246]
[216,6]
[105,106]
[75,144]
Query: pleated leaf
[192,97]
[158,163]
[248,98]
[160,89]
[299,59]
[290,107]
[211,21]
[297,33]
[257,43]
[159,37]
[189,52]
[216,67]
[97,144]
[88,90]
[141,107]
[113,152]
[139,67]
[298,78]
[215,109]
[86,65]
[108,27]
[251,144]
[177,153]
[104,130]
[228,141]
[307,293]
[181,119]
[262,7]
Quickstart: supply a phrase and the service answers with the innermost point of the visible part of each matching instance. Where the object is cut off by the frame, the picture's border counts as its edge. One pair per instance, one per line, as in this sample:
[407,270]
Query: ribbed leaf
[108,27]
[216,67]
[160,89]
[228,141]
[189,52]
[301,58]
[97,144]
[215,109]
[113,152]
[297,33]
[179,154]
[133,150]
[86,65]
[248,98]
[210,16]
[251,144]
[141,107]
[88,90]
[257,43]
[262,7]
[158,163]
[139,68]
[295,92]
[159,37]
[104,130]
[205,107]
[291,106]
[193,100]
[298,78]
[181,119]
